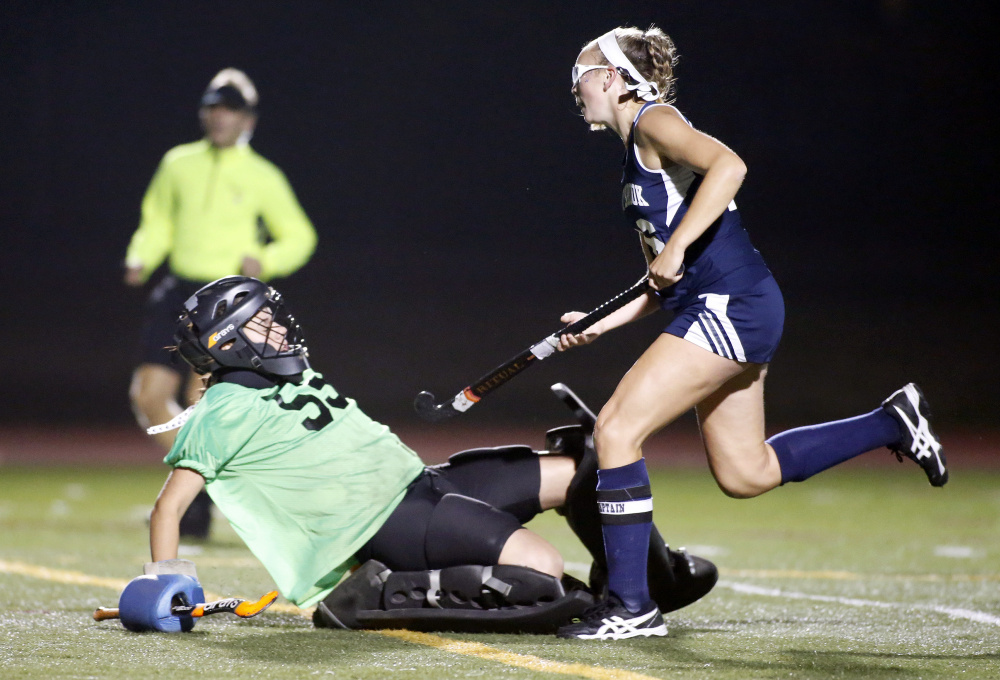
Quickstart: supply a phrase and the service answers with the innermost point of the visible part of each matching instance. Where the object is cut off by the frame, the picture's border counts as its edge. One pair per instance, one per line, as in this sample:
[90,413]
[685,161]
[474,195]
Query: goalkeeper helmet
[238,322]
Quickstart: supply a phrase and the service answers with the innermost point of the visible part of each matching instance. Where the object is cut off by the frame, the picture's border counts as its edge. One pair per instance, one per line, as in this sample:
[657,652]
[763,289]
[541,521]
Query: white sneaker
[610,620]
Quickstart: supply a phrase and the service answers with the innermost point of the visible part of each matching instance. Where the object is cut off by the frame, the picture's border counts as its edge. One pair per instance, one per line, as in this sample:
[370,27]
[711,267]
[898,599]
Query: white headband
[646,90]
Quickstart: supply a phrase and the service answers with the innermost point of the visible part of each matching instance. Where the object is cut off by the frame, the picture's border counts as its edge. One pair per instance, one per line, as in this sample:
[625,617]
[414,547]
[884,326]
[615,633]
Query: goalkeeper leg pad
[466,598]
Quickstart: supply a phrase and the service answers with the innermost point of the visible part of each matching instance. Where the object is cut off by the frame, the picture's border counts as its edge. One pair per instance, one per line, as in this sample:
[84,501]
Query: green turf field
[856,574]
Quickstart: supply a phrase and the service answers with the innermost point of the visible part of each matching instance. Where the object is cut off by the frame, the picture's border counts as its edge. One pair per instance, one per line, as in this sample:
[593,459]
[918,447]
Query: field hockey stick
[242,608]
[428,408]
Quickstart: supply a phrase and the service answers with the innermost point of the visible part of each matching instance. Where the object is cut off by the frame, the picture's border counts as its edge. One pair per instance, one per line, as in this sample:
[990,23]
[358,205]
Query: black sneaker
[676,578]
[610,620]
[919,443]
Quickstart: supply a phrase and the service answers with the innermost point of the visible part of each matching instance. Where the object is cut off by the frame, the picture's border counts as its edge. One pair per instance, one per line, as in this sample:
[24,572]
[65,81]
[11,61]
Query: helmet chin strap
[645,90]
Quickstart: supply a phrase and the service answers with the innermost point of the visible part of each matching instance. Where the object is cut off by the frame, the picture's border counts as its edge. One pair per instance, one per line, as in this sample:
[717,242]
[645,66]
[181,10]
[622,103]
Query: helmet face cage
[240,322]
[272,330]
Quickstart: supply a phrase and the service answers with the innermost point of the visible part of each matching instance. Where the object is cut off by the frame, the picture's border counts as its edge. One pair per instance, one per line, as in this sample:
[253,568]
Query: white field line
[854,576]
[954,612]
[582,568]
[747,589]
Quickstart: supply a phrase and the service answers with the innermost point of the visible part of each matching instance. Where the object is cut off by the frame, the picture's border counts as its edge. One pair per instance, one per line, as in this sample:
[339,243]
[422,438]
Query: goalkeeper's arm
[164,523]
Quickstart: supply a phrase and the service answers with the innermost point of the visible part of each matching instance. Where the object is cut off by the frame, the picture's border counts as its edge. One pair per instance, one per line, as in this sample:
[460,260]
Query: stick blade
[428,409]
[245,609]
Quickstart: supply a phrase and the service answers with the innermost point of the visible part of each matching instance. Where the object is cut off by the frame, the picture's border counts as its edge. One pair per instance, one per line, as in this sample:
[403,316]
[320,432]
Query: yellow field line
[78,578]
[60,575]
[475,649]
[533,663]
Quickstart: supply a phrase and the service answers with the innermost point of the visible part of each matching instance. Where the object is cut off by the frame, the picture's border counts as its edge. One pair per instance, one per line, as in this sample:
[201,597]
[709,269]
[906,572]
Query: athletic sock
[806,451]
[625,502]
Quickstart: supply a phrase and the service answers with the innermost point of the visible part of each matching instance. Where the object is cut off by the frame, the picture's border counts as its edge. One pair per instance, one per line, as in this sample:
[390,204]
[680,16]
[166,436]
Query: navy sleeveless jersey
[721,260]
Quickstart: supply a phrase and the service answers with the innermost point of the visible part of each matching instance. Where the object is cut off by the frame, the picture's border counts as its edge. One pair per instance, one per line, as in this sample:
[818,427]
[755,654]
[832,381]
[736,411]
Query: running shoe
[610,620]
[918,443]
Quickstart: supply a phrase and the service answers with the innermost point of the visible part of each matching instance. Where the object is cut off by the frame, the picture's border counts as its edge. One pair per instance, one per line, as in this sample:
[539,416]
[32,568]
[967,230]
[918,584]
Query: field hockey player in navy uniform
[678,190]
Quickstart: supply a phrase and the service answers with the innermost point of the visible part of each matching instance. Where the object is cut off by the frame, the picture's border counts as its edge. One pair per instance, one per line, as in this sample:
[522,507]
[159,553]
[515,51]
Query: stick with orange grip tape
[242,608]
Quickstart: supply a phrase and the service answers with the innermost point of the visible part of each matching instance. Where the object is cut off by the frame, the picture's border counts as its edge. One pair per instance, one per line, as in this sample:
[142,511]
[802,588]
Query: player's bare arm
[664,138]
[164,523]
[633,311]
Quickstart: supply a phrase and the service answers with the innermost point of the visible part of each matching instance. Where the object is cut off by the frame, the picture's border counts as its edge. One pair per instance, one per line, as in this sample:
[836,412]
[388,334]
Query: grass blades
[859,573]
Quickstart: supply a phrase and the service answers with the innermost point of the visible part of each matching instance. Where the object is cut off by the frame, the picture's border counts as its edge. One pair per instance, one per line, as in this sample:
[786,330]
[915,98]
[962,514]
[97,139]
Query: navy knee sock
[806,451]
[626,506]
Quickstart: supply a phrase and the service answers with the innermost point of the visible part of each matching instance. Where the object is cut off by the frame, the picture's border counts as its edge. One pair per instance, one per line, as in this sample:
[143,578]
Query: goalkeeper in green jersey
[315,487]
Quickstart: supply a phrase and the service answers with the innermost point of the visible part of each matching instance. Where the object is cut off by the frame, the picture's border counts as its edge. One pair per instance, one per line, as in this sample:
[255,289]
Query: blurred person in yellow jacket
[214,208]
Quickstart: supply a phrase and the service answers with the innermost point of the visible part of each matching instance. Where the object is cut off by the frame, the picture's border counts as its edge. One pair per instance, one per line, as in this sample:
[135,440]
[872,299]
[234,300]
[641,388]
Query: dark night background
[462,205]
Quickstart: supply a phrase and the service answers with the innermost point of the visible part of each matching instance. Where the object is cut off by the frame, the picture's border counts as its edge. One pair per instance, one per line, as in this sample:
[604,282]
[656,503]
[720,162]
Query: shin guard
[468,598]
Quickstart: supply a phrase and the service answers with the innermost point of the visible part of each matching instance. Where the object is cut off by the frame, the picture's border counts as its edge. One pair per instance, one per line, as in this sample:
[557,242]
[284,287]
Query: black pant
[461,512]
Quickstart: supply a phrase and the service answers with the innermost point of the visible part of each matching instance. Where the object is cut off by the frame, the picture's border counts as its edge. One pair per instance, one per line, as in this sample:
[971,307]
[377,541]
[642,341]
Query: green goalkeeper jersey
[303,476]
[204,210]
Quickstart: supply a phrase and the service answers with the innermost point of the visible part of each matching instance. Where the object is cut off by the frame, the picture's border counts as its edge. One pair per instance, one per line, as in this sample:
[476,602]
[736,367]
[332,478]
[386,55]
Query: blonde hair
[653,54]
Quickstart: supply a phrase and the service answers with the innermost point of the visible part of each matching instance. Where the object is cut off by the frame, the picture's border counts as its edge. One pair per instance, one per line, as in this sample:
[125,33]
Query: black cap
[228,96]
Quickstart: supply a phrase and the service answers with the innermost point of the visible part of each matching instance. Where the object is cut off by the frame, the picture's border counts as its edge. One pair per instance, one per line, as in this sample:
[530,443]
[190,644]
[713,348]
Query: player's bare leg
[525,548]
[556,474]
[153,393]
[671,377]
[732,428]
